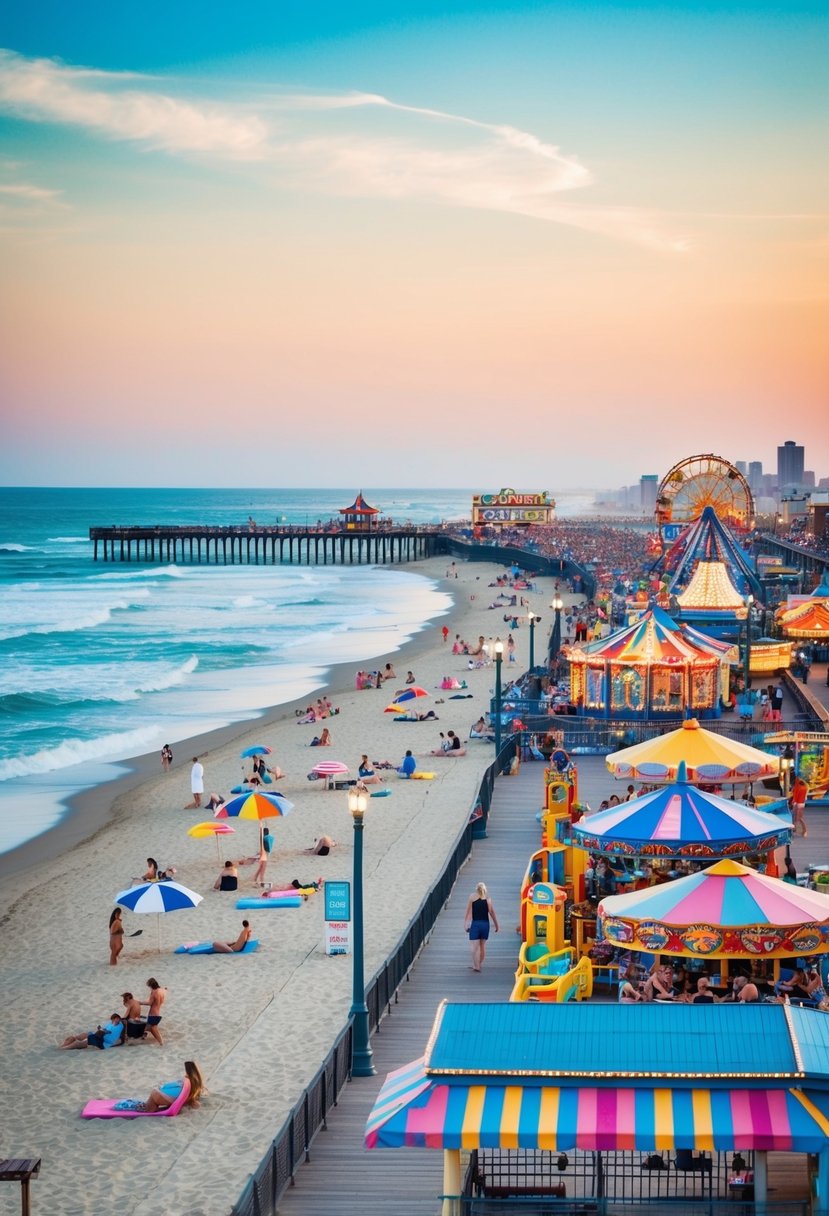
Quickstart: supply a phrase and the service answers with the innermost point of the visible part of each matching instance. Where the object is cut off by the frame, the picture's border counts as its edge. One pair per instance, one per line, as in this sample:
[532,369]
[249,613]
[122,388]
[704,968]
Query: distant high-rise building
[755,475]
[790,464]
[741,467]
[809,479]
[648,485]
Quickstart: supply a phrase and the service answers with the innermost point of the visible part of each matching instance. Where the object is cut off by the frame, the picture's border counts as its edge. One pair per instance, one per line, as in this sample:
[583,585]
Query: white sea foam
[68,540]
[251,601]
[13,547]
[84,618]
[76,751]
[117,576]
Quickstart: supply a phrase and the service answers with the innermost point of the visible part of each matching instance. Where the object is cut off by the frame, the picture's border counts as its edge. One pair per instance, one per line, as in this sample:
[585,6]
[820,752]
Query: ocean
[103,662]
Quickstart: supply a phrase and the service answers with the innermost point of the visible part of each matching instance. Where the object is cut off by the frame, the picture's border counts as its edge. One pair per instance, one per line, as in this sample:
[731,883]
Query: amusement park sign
[510,507]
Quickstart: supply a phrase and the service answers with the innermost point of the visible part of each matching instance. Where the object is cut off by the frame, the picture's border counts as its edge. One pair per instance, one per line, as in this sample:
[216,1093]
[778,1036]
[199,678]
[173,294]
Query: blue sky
[363,213]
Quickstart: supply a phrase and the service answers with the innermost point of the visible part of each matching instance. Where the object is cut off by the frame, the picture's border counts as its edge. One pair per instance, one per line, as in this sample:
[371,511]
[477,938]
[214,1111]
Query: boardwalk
[345,1178]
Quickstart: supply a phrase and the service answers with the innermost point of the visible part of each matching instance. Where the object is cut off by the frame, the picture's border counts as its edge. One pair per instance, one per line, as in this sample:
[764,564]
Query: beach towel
[381,794]
[116,1108]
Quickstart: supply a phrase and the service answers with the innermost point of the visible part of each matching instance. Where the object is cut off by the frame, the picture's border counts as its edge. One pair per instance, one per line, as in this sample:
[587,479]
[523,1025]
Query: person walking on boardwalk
[479,912]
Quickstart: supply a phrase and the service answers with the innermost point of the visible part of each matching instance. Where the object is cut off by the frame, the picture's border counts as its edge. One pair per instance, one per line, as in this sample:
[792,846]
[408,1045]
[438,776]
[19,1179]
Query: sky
[471,244]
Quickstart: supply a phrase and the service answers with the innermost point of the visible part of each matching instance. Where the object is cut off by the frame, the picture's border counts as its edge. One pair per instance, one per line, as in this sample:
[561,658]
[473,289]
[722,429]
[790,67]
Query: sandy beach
[258,1025]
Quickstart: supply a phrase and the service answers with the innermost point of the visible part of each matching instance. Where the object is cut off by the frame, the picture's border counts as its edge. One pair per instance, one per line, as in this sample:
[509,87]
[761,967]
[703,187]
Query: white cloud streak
[45,91]
[353,144]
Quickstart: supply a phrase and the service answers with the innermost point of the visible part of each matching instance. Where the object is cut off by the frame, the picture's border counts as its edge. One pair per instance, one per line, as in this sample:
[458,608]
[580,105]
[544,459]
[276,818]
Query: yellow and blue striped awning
[418,1111]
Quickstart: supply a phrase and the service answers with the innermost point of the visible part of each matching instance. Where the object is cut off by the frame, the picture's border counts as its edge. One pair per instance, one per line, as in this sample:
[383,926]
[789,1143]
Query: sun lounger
[105,1108]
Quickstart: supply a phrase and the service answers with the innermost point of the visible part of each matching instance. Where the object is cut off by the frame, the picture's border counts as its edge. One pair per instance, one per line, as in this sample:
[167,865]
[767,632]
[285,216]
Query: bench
[22,1170]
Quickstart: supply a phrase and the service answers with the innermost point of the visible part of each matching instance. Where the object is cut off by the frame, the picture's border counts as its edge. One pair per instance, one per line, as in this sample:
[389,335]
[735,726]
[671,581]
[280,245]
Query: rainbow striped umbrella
[211,828]
[255,805]
[726,911]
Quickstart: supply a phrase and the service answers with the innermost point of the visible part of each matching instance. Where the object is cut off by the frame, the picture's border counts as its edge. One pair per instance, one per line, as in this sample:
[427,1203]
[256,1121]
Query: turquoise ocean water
[101,662]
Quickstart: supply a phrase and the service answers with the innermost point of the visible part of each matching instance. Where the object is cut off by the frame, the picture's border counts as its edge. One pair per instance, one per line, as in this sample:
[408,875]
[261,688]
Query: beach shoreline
[258,1025]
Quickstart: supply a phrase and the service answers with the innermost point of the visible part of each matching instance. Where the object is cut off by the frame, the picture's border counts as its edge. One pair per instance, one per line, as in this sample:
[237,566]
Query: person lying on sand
[234,947]
[323,846]
[111,1034]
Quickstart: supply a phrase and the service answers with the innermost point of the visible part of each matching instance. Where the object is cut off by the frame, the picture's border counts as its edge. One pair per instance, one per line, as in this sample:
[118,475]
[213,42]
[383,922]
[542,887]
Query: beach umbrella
[726,911]
[211,828]
[259,749]
[707,756]
[157,898]
[409,694]
[255,805]
[679,820]
[329,769]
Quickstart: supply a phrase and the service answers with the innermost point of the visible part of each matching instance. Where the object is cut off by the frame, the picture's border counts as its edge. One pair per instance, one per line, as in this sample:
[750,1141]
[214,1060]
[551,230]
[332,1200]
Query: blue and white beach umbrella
[158,897]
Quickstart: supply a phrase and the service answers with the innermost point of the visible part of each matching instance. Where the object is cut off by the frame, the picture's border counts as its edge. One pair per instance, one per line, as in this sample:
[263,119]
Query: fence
[292,1144]
[600,736]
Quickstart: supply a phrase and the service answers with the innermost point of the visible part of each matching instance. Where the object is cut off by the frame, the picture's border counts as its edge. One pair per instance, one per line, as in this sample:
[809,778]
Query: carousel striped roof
[655,638]
[810,618]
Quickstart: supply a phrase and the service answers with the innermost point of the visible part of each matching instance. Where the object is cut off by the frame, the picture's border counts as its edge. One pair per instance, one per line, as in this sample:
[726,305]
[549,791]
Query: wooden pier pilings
[264,546]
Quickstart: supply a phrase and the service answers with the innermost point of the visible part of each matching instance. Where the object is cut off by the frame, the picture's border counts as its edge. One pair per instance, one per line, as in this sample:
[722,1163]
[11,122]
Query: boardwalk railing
[600,736]
[292,1144]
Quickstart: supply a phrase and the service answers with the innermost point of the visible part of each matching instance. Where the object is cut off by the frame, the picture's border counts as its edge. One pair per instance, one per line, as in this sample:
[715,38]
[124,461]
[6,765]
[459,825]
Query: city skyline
[418,247]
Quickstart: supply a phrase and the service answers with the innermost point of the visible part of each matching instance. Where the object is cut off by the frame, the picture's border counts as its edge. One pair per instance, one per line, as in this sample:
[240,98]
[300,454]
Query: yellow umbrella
[211,828]
[707,755]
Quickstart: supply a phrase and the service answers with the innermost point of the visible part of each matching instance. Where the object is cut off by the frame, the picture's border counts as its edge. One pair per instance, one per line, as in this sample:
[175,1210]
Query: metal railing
[600,736]
[292,1144]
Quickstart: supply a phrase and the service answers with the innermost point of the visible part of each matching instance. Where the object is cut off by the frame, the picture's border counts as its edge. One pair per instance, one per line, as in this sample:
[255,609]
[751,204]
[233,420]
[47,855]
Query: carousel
[654,668]
[808,619]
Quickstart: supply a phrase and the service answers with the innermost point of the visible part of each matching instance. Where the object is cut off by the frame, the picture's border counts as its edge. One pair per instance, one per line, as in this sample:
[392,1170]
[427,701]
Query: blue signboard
[671,531]
[338,901]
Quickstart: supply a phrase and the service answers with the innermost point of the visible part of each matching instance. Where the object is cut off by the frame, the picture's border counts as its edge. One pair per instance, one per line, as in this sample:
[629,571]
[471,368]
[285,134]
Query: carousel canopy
[594,1077]
[710,589]
[726,911]
[807,620]
[359,507]
[681,821]
[707,757]
[655,638]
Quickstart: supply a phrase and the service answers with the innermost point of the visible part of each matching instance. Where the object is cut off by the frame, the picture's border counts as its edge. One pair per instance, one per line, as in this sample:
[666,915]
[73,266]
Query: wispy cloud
[32,194]
[352,144]
[43,90]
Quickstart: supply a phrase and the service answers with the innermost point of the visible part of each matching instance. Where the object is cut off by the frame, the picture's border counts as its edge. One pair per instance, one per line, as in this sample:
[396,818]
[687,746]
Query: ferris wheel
[704,481]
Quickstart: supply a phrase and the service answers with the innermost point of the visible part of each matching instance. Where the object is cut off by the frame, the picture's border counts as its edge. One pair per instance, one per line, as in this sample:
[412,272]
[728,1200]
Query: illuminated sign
[510,507]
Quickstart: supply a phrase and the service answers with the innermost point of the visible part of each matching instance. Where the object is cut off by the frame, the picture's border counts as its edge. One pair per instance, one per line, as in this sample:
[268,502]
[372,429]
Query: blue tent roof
[636,1042]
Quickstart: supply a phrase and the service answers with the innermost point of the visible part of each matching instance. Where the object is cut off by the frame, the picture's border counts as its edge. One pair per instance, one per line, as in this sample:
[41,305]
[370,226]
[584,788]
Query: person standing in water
[479,913]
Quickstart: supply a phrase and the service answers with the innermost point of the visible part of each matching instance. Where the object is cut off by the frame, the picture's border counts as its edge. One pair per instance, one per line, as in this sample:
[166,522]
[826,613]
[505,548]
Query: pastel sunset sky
[437,244]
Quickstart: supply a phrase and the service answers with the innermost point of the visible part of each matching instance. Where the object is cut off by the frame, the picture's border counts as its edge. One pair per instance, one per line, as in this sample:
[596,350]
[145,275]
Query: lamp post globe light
[362,1061]
[499,657]
[557,604]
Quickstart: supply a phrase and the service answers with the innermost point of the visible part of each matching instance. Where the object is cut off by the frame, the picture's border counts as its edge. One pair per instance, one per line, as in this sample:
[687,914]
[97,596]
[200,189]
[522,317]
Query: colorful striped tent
[725,911]
[681,821]
[650,669]
[706,755]
[609,1077]
[809,619]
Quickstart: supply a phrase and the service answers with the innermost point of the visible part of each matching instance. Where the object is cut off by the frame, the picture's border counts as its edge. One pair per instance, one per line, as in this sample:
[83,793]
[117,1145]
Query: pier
[327,546]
